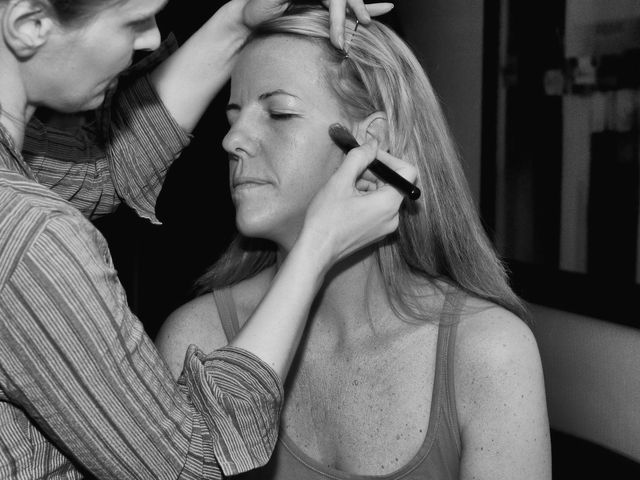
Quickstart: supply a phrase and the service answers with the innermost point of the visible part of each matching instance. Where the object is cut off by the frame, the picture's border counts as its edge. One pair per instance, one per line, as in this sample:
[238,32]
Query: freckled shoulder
[500,397]
[196,322]
[494,350]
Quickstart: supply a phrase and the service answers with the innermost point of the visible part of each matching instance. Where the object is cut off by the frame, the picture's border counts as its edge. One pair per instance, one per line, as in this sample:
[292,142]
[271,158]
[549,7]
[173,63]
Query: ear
[26,26]
[376,126]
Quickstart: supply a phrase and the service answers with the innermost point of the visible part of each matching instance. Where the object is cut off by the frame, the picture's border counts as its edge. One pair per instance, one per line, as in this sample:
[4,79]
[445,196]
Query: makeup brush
[343,138]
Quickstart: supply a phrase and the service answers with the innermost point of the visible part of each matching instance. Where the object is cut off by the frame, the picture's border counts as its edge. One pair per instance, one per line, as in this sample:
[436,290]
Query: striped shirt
[83,390]
[90,165]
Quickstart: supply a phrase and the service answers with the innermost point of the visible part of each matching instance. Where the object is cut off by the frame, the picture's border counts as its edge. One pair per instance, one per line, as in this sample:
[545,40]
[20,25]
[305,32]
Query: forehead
[281,62]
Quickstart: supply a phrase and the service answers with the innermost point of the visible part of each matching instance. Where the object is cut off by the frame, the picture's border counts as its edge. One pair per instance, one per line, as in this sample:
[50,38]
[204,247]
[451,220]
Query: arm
[77,361]
[501,399]
[120,153]
[71,162]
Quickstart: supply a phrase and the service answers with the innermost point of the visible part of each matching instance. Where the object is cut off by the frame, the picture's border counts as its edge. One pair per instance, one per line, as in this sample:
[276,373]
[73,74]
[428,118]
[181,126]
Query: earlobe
[374,126]
[26,26]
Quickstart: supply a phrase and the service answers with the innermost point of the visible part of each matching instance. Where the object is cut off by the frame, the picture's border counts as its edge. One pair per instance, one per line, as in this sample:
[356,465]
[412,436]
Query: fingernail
[341,40]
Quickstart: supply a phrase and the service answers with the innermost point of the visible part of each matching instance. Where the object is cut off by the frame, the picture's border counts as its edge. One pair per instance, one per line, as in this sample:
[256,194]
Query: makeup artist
[433,372]
[82,389]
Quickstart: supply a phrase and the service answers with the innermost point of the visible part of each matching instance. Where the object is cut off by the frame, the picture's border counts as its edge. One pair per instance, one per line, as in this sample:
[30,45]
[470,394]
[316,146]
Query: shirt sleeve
[142,142]
[121,155]
[78,362]
[72,163]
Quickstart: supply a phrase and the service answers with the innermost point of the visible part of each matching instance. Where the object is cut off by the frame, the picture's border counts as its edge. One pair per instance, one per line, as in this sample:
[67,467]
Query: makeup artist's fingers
[342,219]
[337,14]
[363,185]
[377,9]
[370,182]
[402,167]
[359,9]
[369,176]
[355,163]
[258,11]
[372,9]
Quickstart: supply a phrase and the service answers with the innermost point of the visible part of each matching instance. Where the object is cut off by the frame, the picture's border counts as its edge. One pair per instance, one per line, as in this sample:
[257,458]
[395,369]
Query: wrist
[314,250]
[233,12]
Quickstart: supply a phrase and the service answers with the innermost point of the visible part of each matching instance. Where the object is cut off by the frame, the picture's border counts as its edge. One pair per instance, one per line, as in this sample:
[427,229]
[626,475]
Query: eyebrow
[279,91]
[263,96]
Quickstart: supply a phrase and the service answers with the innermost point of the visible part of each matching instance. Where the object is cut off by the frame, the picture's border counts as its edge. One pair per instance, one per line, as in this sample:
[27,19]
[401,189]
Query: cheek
[307,164]
[307,183]
[112,51]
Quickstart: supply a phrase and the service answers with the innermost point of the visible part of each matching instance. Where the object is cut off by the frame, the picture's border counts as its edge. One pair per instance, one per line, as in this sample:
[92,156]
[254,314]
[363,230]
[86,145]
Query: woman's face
[280,152]
[77,64]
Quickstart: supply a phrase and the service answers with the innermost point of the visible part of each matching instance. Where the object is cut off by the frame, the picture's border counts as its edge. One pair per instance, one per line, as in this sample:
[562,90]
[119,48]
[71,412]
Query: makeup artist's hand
[338,9]
[342,218]
[257,11]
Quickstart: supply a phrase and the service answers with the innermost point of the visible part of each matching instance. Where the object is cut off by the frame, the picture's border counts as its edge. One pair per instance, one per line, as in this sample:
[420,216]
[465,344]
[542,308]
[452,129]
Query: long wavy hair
[440,237]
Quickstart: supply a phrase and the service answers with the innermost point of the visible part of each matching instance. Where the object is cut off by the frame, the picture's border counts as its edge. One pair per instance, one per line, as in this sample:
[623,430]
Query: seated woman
[416,362]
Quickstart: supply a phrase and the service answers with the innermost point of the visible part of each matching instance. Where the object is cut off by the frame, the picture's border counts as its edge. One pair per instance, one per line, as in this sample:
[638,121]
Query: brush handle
[392,178]
[343,138]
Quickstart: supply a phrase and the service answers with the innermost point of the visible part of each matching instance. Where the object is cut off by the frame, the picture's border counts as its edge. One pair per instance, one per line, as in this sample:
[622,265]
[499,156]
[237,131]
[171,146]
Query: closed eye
[282,116]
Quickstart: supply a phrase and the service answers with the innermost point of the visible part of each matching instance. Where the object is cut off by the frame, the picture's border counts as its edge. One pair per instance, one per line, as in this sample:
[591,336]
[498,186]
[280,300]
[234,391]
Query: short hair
[440,237]
[76,12]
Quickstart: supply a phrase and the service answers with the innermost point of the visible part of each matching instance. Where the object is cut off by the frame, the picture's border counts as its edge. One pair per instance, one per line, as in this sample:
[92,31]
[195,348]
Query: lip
[245,183]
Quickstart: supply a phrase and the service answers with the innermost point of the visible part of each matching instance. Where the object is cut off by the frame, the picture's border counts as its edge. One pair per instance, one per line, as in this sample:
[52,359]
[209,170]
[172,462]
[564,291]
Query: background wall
[448,36]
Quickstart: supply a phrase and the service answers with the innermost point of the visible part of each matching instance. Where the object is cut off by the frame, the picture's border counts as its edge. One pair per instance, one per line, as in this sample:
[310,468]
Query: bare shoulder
[490,335]
[500,396]
[196,322]
[494,349]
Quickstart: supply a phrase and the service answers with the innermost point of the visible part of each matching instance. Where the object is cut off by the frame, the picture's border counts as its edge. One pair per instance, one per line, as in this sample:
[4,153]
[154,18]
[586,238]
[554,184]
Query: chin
[253,229]
[264,228]
[84,105]
[93,103]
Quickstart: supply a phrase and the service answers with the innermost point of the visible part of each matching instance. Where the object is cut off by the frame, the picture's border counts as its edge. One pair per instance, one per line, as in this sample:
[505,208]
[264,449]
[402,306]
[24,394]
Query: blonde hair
[440,236]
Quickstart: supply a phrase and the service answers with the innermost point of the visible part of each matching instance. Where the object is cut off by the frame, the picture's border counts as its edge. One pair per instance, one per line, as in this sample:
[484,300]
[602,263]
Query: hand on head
[352,210]
[337,11]
[258,11]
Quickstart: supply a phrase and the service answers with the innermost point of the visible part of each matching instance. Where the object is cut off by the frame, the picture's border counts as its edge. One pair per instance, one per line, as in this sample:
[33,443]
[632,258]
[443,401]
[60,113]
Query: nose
[149,38]
[239,140]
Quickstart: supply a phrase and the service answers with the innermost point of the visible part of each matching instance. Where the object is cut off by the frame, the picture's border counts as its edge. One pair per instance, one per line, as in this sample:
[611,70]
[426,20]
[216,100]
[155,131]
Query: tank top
[439,456]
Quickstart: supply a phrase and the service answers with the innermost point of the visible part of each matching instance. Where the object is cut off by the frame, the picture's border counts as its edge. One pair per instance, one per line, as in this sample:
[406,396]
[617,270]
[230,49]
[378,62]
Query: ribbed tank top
[439,455]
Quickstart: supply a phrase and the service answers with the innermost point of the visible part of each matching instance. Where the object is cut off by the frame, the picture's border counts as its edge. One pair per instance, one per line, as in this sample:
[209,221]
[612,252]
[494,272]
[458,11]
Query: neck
[352,304]
[15,112]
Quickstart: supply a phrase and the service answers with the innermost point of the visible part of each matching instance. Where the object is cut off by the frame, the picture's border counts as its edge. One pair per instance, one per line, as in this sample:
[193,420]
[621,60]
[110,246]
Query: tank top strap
[227,311]
[445,352]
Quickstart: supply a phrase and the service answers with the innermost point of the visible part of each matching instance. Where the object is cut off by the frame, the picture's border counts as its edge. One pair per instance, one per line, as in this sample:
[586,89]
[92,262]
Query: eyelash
[281,116]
